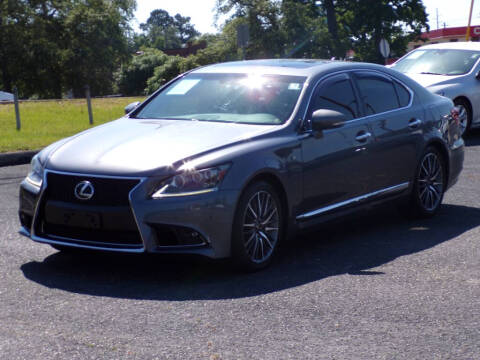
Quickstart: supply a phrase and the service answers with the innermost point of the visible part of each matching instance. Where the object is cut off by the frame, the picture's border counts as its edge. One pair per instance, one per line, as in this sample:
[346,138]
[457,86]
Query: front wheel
[258,227]
[429,185]
[464,115]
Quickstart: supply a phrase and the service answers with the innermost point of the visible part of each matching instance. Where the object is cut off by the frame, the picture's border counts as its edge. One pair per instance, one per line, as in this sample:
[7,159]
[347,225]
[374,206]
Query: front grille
[108,191]
[106,220]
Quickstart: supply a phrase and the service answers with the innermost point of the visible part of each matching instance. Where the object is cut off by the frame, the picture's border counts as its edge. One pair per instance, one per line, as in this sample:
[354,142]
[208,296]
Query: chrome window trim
[363,117]
[389,190]
[49,241]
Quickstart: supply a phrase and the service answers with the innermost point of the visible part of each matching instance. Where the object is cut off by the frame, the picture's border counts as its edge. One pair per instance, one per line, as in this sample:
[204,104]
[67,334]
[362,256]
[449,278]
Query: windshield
[438,62]
[238,98]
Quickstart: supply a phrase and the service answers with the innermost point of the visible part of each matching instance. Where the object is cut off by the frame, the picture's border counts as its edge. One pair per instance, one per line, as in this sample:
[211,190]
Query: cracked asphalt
[374,286]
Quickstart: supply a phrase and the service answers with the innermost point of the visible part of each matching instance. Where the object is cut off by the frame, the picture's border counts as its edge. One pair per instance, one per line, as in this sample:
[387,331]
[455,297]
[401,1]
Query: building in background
[452,34]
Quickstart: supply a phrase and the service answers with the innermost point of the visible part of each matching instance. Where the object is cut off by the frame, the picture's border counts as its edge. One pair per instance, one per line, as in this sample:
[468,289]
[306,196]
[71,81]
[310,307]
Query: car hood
[139,147]
[428,80]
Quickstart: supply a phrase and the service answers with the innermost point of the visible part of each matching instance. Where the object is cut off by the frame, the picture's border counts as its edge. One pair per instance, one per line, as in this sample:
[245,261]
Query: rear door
[397,126]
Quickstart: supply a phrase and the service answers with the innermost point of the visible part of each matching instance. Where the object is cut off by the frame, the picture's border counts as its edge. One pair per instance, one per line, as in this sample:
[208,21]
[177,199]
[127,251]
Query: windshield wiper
[431,73]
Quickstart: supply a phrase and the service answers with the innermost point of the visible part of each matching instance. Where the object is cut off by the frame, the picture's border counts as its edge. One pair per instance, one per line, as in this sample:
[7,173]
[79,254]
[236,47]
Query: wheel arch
[438,145]
[277,184]
[468,102]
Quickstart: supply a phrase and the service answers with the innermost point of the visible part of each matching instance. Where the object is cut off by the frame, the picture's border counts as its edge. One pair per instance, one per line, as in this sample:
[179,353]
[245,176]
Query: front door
[336,166]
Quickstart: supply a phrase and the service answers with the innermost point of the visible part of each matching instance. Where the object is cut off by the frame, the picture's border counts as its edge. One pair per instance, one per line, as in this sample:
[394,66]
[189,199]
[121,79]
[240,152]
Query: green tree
[364,22]
[43,73]
[95,43]
[14,20]
[50,46]
[163,31]
[185,30]
[132,78]
[220,47]
[398,21]
[305,32]
[263,19]
[162,74]
[326,28]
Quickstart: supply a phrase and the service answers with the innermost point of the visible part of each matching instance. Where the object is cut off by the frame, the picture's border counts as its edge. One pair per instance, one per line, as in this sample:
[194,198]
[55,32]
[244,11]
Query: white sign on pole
[384,48]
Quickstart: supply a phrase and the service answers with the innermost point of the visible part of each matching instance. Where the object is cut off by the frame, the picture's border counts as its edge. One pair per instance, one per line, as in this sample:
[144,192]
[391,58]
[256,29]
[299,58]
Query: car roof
[459,45]
[293,67]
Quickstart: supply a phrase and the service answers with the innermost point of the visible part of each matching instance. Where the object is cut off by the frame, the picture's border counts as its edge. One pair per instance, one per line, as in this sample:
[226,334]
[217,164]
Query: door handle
[363,136]
[414,123]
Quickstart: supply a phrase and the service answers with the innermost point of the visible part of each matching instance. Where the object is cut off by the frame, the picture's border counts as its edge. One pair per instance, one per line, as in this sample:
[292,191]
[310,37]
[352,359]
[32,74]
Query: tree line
[51,48]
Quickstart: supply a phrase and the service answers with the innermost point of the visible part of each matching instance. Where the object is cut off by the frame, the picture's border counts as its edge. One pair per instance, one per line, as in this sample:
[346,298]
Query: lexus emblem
[84,190]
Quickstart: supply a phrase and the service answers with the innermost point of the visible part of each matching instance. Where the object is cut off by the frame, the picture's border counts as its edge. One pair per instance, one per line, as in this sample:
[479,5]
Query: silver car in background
[451,70]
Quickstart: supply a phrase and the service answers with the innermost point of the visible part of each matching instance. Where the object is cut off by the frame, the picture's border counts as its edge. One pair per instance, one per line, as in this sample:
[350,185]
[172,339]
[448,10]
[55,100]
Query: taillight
[454,113]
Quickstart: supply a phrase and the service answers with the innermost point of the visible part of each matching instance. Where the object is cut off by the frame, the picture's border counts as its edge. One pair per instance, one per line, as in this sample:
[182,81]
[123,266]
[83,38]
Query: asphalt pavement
[375,286]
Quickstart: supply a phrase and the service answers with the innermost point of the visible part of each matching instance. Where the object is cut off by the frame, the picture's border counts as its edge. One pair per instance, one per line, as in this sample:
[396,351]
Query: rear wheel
[429,185]
[258,227]
[464,115]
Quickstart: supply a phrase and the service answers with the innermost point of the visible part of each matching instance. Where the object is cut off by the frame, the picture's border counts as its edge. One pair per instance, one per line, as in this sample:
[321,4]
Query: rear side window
[403,94]
[378,93]
[336,93]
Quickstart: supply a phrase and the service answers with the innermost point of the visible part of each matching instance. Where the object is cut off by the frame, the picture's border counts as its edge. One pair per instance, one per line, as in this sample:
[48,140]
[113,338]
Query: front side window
[231,98]
[438,61]
[378,93]
[336,93]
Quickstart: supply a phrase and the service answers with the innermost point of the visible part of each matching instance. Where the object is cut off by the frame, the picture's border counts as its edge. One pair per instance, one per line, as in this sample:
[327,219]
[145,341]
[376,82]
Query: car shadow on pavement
[472,138]
[355,246]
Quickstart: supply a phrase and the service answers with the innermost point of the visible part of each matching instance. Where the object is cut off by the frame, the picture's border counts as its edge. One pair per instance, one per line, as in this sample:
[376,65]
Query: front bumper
[198,224]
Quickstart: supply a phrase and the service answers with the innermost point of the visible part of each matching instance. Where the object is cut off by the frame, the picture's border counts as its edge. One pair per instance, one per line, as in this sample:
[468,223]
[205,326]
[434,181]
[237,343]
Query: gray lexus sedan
[230,159]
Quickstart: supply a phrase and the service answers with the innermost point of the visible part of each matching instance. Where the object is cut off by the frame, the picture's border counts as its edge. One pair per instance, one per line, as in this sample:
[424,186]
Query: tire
[429,184]
[465,115]
[258,227]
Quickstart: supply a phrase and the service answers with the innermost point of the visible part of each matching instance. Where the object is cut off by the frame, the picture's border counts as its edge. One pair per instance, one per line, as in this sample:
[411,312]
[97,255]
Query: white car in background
[451,70]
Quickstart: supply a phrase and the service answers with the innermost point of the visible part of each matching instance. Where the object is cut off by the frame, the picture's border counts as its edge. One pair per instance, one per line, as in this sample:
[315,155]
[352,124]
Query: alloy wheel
[430,181]
[463,118]
[261,224]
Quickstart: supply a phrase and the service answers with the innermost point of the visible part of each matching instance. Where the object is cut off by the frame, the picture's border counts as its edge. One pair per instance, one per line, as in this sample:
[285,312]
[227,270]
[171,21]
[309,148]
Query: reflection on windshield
[438,62]
[239,98]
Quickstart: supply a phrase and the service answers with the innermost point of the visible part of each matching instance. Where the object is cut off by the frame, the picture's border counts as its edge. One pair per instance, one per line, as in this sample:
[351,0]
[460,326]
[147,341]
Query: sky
[201,12]
[451,12]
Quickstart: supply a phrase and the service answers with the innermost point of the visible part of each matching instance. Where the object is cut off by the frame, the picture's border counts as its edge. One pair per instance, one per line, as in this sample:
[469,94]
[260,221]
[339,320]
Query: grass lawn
[44,122]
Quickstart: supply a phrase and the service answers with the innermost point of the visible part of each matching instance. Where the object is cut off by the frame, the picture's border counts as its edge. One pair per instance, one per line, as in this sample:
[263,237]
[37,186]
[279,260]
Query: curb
[16,158]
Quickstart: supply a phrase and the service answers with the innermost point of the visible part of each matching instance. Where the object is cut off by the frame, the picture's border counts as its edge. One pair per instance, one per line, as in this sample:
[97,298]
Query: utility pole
[437,20]
[467,36]
[17,111]
[89,104]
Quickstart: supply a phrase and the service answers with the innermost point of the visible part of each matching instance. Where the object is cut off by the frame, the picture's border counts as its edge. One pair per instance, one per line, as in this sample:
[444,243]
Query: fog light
[178,236]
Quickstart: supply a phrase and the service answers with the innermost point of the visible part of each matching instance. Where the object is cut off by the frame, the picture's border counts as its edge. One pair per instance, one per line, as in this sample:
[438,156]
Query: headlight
[35,176]
[192,182]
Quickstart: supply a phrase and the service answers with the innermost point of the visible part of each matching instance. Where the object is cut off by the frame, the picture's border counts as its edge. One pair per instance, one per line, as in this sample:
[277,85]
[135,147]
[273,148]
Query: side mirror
[130,107]
[477,75]
[324,119]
